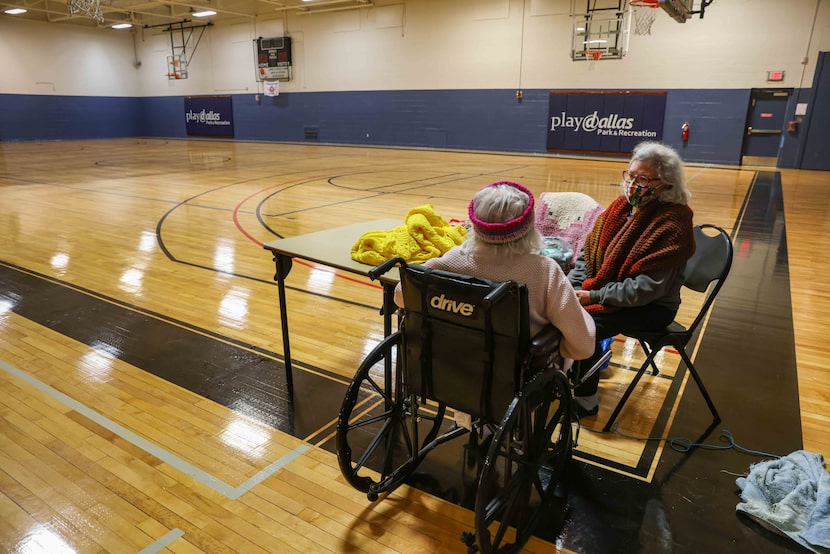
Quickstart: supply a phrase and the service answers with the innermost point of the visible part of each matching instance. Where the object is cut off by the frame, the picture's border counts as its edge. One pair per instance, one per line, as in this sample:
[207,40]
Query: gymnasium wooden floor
[144,406]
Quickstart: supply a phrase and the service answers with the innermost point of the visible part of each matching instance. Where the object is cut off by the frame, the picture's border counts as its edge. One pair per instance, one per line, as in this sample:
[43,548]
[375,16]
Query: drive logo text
[449,305]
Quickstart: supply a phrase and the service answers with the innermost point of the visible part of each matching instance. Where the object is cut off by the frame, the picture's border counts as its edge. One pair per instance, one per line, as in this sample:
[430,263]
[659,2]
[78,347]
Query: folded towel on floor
[424,235]
[791,496]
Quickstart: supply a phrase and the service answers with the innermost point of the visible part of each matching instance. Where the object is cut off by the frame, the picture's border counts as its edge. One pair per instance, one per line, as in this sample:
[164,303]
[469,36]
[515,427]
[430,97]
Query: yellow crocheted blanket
[424,235]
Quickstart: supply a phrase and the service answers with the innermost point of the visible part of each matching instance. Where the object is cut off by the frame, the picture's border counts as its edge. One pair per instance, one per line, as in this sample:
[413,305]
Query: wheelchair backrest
[465,339]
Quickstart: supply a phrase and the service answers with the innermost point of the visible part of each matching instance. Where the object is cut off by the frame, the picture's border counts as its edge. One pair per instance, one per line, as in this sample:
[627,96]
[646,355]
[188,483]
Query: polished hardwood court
[144,405]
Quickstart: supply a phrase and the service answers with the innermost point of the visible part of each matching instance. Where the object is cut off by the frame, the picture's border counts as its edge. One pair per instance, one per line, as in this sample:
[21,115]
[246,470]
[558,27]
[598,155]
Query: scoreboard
[274,59]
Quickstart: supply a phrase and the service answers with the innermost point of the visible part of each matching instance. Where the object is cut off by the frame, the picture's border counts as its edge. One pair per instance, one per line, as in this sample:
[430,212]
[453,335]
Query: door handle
[751,131]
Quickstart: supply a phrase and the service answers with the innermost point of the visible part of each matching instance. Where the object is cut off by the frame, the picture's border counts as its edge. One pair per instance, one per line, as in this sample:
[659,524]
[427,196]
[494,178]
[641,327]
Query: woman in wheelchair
[504,246]
[476,338]
[630,271]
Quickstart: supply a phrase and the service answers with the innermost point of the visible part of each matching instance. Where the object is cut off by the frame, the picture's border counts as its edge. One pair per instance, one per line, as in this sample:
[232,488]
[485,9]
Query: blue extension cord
[684,445]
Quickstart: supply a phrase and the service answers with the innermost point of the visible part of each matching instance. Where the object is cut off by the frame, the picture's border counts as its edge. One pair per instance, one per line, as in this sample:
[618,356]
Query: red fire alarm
[518,95]
[775,75]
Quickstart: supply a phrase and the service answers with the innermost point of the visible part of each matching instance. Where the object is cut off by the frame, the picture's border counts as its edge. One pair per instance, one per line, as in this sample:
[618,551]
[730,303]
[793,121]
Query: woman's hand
[584,297]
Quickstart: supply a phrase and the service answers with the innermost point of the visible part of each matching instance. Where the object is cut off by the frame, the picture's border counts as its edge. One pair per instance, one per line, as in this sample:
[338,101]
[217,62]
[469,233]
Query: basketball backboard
[604,27]
[176,67]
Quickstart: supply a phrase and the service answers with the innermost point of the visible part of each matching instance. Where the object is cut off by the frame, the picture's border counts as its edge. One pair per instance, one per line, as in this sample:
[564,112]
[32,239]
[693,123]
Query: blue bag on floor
[605,344]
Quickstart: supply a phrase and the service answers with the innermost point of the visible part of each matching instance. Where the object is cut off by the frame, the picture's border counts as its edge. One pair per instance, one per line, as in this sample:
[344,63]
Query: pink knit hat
[508,231]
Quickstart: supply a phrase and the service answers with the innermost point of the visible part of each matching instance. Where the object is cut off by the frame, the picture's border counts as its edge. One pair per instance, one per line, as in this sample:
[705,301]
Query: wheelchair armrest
[546,340]
[379,270]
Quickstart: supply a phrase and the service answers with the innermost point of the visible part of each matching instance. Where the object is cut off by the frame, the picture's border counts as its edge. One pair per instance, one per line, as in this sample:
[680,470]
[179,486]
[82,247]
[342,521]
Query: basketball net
[90,7]
[593,56]
[644,12]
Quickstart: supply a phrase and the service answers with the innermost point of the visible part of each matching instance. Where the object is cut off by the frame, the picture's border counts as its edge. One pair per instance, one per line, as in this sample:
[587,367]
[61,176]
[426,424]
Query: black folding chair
[710,263]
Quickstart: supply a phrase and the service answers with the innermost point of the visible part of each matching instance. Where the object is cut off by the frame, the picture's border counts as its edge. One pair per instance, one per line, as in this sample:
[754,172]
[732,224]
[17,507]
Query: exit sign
[775,75]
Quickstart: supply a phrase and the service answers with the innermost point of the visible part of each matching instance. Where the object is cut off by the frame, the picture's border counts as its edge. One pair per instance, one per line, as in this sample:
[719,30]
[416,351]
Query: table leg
[283,265]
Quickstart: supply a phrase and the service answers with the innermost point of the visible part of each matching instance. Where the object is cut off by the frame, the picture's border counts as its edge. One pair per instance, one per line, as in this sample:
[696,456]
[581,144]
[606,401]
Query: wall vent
[311,132]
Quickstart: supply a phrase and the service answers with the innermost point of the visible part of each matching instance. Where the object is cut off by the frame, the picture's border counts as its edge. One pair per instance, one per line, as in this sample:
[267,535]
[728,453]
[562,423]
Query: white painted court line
[163,542]
[167,457]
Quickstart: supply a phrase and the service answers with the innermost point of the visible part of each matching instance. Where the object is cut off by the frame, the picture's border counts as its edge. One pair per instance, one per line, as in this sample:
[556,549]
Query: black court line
[243,377]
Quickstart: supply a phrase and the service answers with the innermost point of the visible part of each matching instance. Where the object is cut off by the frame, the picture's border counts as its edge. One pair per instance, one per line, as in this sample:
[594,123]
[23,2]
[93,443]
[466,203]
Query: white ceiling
[165,12]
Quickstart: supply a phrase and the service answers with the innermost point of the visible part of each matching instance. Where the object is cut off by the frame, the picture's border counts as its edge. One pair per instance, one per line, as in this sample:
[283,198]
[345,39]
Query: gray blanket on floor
[791,496]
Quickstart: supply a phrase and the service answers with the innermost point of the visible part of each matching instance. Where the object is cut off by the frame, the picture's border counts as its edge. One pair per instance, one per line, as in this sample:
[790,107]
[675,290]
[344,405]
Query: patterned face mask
[638,195]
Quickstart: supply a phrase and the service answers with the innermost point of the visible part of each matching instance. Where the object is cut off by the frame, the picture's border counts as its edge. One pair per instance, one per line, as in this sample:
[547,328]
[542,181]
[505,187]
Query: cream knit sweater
[551,297]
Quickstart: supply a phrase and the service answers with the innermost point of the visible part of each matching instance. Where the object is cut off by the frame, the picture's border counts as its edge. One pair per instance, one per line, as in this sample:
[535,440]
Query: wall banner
[604,122]
[208,116]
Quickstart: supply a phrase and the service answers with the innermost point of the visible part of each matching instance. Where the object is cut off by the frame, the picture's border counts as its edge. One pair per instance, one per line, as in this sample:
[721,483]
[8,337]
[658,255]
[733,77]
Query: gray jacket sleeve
[662,287]
[643,289]
[578,273]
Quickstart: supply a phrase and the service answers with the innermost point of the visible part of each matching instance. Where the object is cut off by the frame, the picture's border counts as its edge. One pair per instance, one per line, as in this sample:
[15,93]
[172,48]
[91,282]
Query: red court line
[258,242]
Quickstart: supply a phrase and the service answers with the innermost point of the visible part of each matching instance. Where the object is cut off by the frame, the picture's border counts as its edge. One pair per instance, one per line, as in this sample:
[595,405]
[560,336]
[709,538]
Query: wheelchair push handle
[497,293]
[379,270]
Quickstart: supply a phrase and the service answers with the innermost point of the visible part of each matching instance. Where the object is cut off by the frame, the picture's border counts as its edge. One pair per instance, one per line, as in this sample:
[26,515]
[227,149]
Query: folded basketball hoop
[644,12]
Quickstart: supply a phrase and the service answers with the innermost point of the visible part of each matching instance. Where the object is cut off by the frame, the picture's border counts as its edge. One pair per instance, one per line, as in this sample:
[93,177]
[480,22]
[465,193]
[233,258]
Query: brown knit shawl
[657,236]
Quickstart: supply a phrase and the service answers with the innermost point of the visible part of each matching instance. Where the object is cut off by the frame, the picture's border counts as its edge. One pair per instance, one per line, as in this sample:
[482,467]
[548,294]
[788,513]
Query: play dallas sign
[604,122]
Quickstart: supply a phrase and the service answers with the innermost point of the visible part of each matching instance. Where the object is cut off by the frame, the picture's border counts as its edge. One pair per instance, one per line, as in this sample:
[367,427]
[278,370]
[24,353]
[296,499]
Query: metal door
[765,126]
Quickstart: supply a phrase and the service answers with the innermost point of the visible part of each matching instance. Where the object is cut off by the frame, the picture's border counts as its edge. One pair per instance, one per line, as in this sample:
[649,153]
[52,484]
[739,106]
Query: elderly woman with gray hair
[504,245]
[630,271]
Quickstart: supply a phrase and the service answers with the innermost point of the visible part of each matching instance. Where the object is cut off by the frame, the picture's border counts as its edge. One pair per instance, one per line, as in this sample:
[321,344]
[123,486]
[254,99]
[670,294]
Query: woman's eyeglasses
[639,180]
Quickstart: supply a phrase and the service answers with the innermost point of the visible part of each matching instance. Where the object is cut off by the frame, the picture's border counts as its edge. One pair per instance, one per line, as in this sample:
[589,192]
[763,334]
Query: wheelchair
[464,344]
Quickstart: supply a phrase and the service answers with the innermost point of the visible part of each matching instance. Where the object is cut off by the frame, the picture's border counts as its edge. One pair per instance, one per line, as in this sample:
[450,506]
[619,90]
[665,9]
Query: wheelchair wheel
[522,477]
[380,425]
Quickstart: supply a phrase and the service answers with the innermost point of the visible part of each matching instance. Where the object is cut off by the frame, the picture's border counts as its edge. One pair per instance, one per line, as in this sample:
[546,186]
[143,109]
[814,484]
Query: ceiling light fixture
[15,11]
[205,13]
[122,25]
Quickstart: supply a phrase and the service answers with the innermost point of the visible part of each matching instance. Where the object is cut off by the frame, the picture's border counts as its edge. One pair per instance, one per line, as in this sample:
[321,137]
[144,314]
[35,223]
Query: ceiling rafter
[141,13]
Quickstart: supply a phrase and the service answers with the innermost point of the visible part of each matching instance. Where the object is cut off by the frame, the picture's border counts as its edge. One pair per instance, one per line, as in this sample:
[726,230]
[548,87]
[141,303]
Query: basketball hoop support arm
[182,27]
[703,5]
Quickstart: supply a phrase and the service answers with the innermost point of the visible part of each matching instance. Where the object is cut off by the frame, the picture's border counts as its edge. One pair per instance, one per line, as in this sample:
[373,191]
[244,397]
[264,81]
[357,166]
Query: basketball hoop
[593,56]
[90,7]
[645,12]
